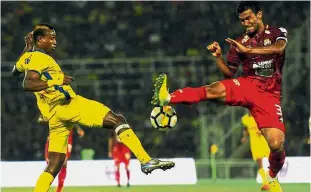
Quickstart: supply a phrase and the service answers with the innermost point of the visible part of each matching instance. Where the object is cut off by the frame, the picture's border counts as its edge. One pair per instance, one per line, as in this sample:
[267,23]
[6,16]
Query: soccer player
[261,50]
[120,154]
[258,145]
[58,102]
[63,172]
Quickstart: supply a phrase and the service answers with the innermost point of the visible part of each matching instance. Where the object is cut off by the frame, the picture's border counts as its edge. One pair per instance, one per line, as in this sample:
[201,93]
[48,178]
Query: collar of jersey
[38,50]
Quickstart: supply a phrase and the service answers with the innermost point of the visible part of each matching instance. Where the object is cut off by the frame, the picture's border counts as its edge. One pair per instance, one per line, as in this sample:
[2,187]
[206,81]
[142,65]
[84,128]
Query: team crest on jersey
[27,60]
[267,42]
[267,31]
[246,38]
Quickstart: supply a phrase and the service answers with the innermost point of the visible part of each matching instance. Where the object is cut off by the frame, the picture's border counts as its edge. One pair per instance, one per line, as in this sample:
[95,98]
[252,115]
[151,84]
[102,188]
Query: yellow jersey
[48,69]
[250,123]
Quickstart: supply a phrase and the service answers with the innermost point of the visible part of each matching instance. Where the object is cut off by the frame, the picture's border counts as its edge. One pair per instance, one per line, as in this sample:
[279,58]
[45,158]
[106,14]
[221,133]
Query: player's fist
[29,40]
[109,154]
[68,80]
[215,49]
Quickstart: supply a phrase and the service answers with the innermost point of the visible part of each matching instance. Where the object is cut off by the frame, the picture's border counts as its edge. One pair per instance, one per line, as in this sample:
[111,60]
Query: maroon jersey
[267,68]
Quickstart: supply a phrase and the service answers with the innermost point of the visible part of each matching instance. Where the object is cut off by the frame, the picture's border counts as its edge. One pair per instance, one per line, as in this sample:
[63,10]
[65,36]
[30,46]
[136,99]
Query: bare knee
[56,161]
[275,138]
[276,144]
[215,91]
[116,122]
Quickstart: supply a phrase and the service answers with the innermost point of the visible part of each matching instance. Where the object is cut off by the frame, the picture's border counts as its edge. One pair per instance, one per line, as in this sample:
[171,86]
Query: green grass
[201,186]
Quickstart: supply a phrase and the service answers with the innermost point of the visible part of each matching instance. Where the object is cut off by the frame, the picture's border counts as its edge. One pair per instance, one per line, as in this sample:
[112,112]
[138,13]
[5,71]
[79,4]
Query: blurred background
[116,49]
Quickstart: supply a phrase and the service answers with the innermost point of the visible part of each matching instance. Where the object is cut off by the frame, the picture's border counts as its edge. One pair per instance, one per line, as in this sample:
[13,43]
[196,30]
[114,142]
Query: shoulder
[39,55]
[275,29]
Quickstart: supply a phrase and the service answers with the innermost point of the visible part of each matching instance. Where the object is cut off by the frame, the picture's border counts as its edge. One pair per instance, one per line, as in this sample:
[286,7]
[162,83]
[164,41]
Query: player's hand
[215,49]
[41,119]
[109,154]
[68,80]
[243,140]
[81,132]
[238,46]
[29,40]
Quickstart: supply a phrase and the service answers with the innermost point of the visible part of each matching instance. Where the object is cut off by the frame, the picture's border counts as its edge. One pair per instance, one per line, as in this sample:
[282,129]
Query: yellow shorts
[79,110]
[259,146]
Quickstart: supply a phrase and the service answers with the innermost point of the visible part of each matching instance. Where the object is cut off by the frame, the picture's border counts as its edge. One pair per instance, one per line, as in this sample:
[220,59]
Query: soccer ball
[163,118]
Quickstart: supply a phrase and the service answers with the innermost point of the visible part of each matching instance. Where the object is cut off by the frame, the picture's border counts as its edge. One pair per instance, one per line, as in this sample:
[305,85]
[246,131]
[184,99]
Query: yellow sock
[44,182]
[129,139]
[263,176]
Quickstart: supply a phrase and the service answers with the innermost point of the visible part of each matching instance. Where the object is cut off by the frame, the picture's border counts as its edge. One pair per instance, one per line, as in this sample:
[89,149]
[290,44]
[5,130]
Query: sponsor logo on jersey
[263,64]
[246,38]
[267,42]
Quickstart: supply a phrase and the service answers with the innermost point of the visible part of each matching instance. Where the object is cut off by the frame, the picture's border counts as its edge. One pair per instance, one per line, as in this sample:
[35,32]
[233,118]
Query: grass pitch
[201,186]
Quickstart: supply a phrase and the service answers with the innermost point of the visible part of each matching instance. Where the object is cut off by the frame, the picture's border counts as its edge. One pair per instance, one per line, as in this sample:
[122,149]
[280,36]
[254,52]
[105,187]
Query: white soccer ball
[163,118]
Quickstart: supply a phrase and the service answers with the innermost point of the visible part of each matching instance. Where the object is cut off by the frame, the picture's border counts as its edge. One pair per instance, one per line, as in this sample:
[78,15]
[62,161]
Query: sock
[188,95]
[128,175]
[44,182]
[263,176]
[61,178]
[129,139]
[117,174]
[276,160]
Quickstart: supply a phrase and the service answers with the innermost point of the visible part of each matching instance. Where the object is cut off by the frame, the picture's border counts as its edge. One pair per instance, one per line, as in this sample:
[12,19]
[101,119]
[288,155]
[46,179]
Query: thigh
[266,110]
[58,136]
[237,91]
[91,113]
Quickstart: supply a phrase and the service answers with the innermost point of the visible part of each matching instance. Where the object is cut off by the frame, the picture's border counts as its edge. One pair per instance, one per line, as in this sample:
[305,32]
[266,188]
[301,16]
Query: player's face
[48,42]
[250,21]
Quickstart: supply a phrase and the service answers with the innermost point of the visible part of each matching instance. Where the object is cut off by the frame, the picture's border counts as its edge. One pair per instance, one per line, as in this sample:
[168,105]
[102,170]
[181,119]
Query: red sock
[188,95]
[276,160]
[117,173]
[128,175]
[61,178]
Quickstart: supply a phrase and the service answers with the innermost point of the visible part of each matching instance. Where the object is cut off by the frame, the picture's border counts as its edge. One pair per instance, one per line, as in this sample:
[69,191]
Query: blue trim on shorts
[57,87]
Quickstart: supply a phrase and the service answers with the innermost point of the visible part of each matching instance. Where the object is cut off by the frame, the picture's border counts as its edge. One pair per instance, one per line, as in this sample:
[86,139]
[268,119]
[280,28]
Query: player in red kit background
[120,154]
[63,172]
[261,51]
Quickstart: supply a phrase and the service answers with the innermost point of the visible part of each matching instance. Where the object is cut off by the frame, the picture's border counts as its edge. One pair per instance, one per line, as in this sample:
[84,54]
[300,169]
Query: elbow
[26,86]
[228,75]
[280,50]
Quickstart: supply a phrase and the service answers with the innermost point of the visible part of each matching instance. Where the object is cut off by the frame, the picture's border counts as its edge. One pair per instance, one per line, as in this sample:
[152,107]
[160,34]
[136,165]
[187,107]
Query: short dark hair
[41,30]
[245,5]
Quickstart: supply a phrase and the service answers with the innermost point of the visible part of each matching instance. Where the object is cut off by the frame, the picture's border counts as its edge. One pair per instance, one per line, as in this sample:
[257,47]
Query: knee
[115,121]
[120,120]
[276,144]
[215,91]
[53,169]
[121,125]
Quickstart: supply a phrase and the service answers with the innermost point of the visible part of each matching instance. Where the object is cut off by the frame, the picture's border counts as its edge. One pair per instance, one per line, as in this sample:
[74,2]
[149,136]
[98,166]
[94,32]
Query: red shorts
[121,153]
[264,106]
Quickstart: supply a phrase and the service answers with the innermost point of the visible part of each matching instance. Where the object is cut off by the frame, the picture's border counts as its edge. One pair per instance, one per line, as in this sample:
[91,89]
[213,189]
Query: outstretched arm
[276,48]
